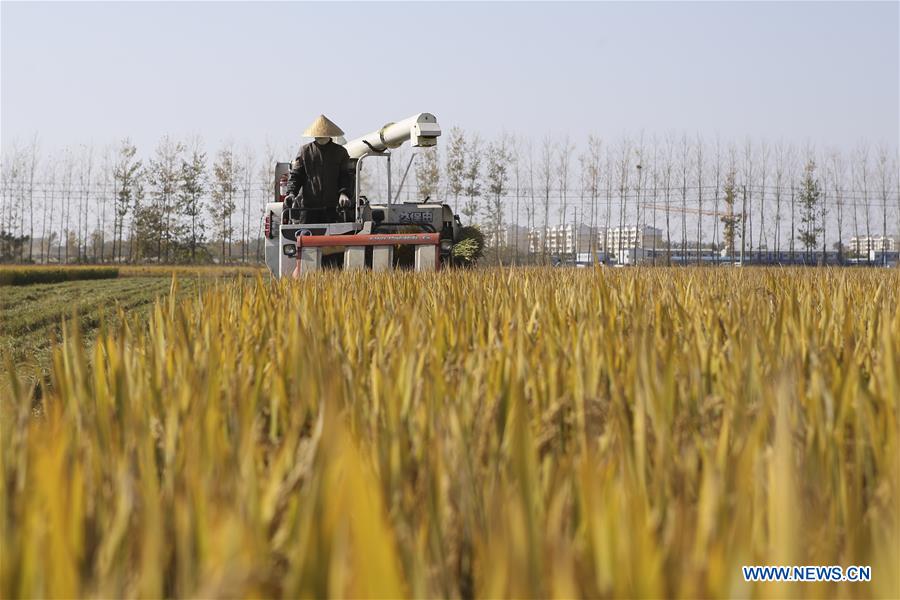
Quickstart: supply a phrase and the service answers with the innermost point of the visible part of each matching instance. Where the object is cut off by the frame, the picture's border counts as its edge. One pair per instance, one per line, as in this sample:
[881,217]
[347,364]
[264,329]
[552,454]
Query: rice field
[479,433]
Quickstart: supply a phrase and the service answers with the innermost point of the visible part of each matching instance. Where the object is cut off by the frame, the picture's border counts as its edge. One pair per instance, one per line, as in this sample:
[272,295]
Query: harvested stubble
[490,433]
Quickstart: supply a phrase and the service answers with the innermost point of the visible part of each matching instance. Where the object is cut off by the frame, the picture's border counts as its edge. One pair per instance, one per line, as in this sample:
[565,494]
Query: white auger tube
[420,130]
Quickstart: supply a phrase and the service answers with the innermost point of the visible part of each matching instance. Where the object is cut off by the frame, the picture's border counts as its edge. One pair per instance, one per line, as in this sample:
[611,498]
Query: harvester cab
[375,233]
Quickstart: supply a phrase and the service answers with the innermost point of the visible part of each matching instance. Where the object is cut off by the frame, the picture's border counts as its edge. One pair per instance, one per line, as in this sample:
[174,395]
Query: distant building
[865,245]
[634,237]
[569,239]
[535,240]
[563,240]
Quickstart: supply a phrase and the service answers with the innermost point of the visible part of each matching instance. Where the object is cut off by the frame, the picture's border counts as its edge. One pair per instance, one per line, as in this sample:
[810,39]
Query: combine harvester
[377,235]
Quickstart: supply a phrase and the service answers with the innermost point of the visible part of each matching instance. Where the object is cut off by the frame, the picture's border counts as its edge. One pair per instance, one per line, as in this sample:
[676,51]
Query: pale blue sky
[826,73]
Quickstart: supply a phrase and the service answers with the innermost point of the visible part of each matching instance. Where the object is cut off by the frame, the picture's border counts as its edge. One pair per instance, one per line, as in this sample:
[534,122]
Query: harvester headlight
[290,250]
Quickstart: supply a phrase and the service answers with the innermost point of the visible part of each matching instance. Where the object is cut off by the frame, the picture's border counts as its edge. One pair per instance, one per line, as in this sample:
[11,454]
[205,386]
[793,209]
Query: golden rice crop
[488,433]
[189,270]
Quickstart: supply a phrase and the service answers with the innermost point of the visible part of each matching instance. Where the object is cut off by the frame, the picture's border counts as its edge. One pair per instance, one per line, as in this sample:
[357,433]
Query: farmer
[319,183]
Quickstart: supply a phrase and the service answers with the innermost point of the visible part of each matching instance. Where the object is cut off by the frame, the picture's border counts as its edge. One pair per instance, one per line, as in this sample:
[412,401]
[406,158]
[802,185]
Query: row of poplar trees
[733,197]
[179,205]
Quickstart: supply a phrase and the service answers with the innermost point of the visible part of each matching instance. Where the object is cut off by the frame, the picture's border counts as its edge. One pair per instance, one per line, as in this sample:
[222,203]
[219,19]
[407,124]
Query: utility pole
[824,229]
[743,221]
[516,230]
[637,220]
[792,220]
[575,236]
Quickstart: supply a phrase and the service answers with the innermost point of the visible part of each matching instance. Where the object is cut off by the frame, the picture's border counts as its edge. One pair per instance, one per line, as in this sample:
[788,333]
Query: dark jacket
[321,174]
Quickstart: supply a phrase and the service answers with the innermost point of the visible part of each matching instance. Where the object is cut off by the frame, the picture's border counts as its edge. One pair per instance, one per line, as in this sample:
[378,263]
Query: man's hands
[292,201]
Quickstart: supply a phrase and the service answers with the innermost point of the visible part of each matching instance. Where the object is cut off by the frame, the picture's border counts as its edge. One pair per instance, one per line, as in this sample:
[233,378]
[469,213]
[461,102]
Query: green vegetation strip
[29,275]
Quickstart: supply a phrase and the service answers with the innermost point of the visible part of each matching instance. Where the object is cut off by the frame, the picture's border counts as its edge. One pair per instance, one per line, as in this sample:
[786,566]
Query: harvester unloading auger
[376,234]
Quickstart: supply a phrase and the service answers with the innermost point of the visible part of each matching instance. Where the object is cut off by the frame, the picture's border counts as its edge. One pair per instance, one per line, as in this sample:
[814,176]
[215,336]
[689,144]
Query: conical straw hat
[323,127]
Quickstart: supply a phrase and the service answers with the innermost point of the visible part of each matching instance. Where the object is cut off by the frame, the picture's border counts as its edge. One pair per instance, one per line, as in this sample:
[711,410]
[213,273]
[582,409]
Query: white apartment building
[564,239]
[863,245]
[535,240]
[645,237]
